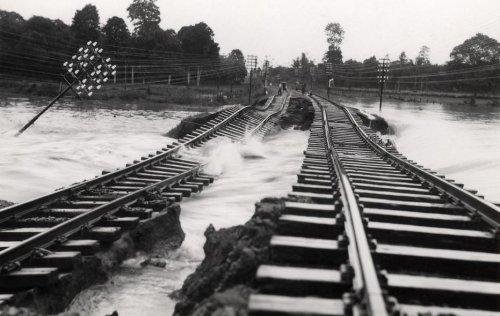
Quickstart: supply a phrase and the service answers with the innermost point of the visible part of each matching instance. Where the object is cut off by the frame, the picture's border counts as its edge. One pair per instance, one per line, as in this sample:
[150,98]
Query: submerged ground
[73,142]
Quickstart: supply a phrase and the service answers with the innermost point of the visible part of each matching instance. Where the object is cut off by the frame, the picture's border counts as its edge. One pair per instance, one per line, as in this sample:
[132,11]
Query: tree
[372,61]
[85,26]
[116,32]
[11,22]
[403,59]
[145,15]
[422,58]
[236,61]
[333,55]
[334,34]
[198,39]
[302,67]
[475,51]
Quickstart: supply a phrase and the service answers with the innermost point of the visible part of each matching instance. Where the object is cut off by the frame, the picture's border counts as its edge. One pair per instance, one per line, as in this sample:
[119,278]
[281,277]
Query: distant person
[279,91]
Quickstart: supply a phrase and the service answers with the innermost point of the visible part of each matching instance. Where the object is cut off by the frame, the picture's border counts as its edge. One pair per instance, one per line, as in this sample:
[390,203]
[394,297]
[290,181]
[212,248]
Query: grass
[206,95]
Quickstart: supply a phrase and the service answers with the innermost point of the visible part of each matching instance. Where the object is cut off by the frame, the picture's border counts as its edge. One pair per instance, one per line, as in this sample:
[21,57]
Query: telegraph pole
[89,70]
[251,64]
[198,73]
[329,74]
[266,69]
[383,69]
[313,77]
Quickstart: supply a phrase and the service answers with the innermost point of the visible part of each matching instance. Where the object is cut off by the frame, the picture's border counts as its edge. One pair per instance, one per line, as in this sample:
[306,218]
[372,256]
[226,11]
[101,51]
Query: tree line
[474,66]
[37,47]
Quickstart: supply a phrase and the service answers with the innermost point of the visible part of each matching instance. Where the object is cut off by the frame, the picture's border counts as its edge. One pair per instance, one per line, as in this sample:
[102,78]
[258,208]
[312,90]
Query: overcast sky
[282,29]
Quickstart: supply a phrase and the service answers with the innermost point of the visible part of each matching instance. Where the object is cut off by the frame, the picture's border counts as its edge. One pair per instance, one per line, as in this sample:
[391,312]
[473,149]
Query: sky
[281,29]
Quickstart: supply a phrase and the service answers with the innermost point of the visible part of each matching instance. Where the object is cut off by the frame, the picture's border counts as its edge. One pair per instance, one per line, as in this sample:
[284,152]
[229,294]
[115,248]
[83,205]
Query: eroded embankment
[162,230]
[375,122]
[224,280]
[299,114]
[189,124]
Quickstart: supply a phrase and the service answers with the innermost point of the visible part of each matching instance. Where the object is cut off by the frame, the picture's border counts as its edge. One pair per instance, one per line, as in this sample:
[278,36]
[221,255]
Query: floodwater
[460,141]
[72,143]
[245,173]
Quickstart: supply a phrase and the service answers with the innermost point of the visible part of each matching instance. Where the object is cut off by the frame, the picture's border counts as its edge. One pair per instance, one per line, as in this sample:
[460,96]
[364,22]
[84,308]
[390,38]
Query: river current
[71,143]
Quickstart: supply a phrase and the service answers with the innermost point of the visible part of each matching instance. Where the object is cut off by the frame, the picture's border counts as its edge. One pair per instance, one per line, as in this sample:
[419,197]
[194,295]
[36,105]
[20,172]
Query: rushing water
[72,143]
[245,173]
[459,141]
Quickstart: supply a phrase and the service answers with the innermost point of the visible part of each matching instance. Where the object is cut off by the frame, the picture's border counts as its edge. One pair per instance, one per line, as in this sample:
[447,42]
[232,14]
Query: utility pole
[125,76]
[198,73]
[383,69]
[88,70]
[132,74]
[251,64]
[329,75]
[188,77]
[266,69]
[313,76]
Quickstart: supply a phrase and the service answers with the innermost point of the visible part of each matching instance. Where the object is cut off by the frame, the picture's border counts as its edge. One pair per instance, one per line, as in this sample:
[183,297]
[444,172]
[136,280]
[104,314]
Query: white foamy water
[460,141]
[244,173]
[70,143]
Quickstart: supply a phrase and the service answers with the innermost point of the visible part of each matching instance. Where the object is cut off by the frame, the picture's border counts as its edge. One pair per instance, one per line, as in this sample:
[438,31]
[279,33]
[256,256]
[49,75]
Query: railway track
[368,232]
[44,238]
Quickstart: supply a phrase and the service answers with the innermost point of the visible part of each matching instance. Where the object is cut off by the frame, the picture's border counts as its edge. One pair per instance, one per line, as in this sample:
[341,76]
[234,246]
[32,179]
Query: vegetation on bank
[202,96]
[35,49]
[473,67]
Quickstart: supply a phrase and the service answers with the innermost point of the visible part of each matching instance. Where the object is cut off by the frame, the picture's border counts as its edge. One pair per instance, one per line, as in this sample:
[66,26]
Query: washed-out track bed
[43,239]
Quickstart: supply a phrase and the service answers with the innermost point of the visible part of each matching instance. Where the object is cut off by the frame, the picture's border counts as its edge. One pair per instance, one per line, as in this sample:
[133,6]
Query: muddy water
[245,173]
[69,144]
[459,141]
[73,142]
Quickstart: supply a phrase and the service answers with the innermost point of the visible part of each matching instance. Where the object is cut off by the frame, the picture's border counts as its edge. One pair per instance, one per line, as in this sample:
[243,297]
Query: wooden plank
[309,226]
[416,310]
[292,305]
[301,242]
[63,260]
[387,213]
[85,246]
[298,274]
[443,284]
[402,189]
[377,181]
[410,205]
[13,234]
[28,278]
[317,197]
[432,230]
[313,188]
[398,195]
[435,253]
[310,209]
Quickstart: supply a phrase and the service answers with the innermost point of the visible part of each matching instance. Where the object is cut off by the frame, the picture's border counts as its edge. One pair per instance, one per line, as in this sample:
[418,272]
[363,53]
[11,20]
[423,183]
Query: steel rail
[24,208]
[261,124]
[77,223]
[487,210]
[365,283]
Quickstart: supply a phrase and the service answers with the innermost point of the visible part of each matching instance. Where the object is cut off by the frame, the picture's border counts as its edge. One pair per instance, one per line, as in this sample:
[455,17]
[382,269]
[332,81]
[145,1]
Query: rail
[366,284]
[24,208]
[487,210]
[44,239]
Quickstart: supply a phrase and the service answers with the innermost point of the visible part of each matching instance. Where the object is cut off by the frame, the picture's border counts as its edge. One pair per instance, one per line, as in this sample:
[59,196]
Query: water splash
[241,181]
